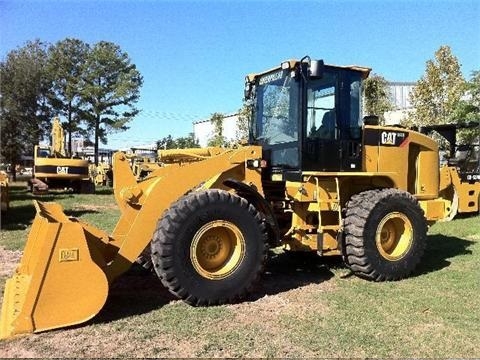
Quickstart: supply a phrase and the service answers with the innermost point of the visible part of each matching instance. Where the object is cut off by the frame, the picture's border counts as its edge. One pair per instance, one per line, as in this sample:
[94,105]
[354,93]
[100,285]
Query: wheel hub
[217,249]
[394,236]
[210,247]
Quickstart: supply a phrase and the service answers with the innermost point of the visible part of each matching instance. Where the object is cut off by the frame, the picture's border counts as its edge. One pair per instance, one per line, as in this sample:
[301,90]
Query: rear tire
[210,248]
[385,234]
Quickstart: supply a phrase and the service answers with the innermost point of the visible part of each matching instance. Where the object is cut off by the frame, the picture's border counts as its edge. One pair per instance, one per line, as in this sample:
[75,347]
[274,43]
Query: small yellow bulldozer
[314,177]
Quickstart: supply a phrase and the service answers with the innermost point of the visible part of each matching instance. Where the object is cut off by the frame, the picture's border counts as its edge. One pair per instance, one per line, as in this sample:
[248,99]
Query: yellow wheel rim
[394,236]
[217,249]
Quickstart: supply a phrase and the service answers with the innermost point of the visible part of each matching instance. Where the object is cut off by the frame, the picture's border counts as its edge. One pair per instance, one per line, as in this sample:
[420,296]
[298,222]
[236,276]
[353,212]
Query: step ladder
[321,226]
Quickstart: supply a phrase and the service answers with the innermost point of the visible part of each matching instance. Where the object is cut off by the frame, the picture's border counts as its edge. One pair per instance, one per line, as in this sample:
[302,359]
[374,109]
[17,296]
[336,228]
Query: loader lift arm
[68,266]
[142,203]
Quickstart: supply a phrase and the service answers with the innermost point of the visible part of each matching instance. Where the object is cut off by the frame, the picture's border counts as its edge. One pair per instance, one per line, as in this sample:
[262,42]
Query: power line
[176,116]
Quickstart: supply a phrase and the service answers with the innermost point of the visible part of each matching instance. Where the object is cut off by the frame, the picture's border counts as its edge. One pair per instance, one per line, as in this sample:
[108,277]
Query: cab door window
[321,114]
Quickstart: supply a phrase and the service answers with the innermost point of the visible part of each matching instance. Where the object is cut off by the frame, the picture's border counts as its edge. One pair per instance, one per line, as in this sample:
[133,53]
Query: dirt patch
[9,260]
[17,352]
[131,323]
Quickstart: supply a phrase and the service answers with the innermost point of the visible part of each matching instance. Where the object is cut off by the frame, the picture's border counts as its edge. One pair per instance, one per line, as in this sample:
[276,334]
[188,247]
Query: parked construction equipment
[4,195]
[315,177]
[143,161]
[54,169]
[460,175]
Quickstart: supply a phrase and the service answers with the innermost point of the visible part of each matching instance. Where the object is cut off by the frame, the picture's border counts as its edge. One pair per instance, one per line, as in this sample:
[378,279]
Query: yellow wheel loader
[315,177]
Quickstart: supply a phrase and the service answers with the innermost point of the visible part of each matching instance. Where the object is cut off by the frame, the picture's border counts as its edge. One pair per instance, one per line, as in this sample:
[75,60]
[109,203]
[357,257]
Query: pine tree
[110,90]
[65,67]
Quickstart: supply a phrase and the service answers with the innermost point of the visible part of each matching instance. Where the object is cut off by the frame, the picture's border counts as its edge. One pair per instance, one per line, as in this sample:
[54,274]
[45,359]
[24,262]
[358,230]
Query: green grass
[305,307]
[98,209]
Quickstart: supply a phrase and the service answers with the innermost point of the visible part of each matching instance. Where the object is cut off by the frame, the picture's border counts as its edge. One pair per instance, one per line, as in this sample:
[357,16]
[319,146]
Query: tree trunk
[13,170]
[97,128]
[69,129]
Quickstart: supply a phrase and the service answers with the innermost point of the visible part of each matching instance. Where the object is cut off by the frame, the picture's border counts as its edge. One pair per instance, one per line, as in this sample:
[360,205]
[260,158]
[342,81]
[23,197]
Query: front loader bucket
[60,280]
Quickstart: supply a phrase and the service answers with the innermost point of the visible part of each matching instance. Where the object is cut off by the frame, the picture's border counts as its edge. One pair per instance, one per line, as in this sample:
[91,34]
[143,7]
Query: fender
[257,200]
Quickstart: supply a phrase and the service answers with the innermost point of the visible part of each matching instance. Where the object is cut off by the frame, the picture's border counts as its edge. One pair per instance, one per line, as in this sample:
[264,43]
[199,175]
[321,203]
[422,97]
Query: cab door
[332,129]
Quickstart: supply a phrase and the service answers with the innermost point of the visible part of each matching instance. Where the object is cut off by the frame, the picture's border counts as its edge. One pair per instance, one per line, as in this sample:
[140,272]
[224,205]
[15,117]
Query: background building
[400,98]
[203,130]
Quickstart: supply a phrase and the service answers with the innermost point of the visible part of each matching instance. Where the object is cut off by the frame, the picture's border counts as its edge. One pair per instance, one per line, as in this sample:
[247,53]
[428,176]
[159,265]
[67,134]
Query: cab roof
[293,63]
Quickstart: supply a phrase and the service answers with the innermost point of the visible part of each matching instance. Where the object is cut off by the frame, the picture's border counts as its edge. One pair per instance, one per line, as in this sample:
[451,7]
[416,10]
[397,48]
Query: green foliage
[66,68]
[23,111]
[467,110]
[438,92]
[376,96]
[110,89]
[186,142]
[217,138]
[95,88]
[244,121]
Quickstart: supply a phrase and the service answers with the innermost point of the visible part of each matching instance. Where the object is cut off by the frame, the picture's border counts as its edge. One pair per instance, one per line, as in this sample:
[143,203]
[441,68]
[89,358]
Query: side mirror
[247,93]
[317,68]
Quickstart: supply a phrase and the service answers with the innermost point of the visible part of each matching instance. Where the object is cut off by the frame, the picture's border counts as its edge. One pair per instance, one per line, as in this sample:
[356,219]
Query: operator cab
[42,151]
[307,117]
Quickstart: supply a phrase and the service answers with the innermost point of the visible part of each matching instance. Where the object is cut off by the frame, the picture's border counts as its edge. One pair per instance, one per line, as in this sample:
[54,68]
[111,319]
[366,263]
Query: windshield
[43,152]
[276,118]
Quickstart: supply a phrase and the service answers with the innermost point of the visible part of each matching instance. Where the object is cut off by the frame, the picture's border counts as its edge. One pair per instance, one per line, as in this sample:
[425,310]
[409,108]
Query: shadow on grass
[139,292]
[440,249]
[136,292]
[288,271]
[20,217]
[22,193]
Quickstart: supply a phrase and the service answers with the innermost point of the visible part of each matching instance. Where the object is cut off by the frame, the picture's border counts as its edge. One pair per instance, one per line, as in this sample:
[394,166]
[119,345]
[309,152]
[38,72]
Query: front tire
[210,248]
[385,234]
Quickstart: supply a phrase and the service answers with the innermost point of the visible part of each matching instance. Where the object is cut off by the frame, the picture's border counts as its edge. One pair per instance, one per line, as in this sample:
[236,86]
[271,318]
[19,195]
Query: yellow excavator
[314,177]
[53,169]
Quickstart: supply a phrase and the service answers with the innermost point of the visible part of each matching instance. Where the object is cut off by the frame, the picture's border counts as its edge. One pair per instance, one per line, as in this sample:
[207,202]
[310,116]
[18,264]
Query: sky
[194,55]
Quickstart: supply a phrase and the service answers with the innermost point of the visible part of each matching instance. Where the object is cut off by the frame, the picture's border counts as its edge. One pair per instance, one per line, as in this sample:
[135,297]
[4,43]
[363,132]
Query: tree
[110,90]
[186,142]
[244,121]
[66,61]
[217,139]
[166,143]
[437,93]
[23,107]
[376,95]
[468,111]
